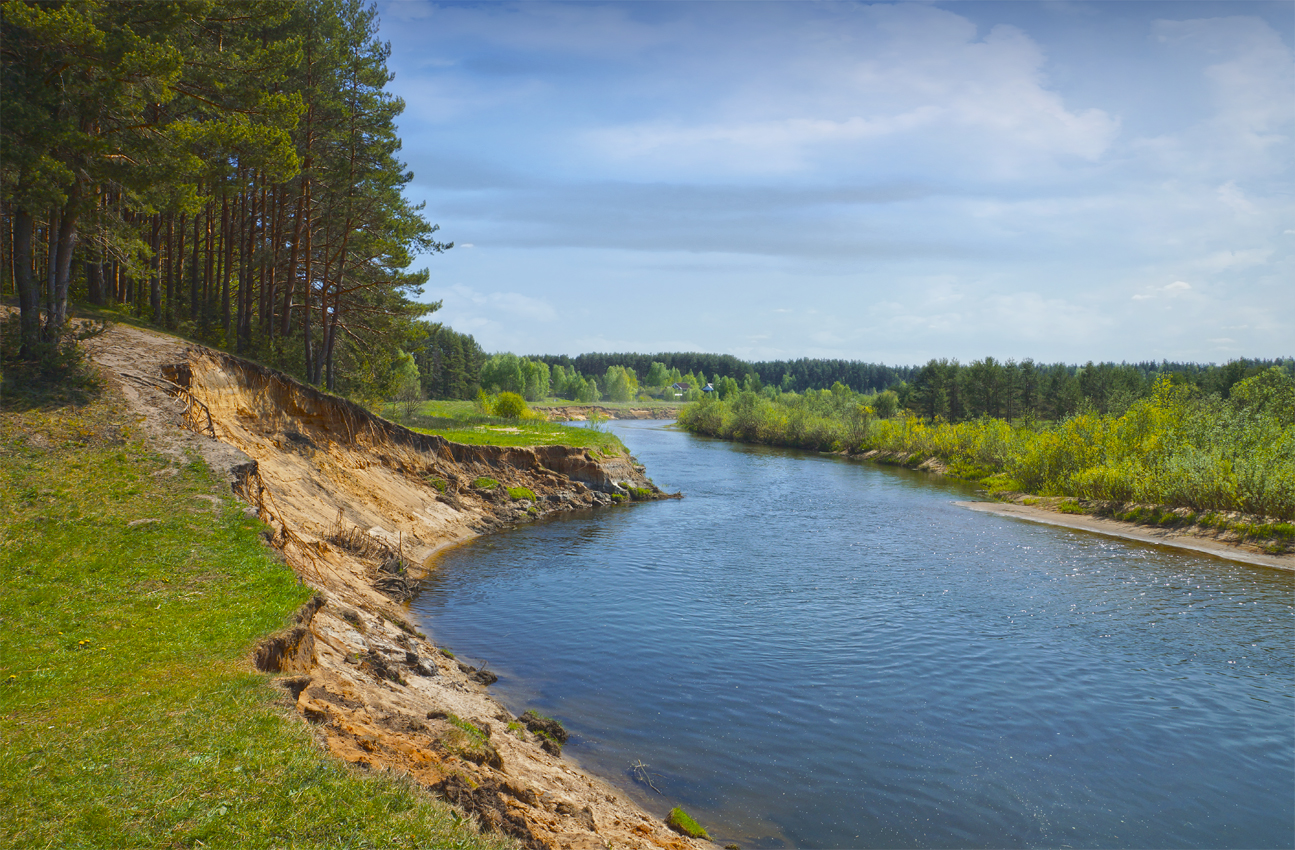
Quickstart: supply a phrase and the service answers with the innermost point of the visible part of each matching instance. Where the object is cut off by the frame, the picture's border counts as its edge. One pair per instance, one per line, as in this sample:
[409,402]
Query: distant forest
[451,366]
[787,375]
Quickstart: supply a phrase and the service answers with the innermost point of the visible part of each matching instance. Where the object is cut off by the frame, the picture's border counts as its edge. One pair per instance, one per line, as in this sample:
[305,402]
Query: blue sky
[887,182]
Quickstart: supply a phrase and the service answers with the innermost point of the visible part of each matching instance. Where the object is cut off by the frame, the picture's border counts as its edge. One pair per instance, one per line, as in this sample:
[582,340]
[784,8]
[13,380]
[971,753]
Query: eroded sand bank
[355,504]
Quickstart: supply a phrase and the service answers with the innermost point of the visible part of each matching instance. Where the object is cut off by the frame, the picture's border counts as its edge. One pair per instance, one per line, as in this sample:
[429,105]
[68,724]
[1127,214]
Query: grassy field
[460,422]
[132,592]
[671,407]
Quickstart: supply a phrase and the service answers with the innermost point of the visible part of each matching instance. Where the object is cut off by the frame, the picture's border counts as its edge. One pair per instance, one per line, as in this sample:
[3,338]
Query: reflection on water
[813,652]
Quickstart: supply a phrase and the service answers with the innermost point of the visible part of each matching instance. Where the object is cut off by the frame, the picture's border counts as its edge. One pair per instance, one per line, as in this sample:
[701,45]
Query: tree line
[787,375]
[227,169]
[945,389]
[1176,446]
[942,388]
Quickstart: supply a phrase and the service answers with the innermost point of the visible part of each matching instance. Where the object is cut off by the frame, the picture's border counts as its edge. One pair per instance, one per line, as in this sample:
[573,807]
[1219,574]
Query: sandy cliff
[355,505]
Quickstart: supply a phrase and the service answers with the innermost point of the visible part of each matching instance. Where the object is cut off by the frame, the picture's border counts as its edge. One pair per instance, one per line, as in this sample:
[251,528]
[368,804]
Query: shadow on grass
[57,375]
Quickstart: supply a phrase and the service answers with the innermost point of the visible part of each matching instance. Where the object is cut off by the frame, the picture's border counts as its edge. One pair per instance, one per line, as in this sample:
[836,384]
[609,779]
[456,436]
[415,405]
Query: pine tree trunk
[227,259]
[209,273]
[290,281]
[195,303]
[51,266]
[155,282]
[169,316]
[28,290]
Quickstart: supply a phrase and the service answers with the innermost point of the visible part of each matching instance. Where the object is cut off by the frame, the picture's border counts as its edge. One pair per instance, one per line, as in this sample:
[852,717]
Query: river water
[812,652]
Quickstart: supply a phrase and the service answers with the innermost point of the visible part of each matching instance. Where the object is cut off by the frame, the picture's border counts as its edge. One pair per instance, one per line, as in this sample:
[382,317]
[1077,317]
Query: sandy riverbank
[1132,531]
[354,504]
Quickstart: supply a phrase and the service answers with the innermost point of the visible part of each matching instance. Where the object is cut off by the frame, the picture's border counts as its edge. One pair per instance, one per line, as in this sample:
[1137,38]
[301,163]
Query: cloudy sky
[887,182]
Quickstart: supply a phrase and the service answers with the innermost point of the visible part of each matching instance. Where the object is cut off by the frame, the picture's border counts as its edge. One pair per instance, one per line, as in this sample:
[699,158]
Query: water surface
[813,652]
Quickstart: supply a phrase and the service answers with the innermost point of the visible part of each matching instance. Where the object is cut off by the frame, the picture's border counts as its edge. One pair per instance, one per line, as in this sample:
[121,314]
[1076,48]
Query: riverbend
[808,651]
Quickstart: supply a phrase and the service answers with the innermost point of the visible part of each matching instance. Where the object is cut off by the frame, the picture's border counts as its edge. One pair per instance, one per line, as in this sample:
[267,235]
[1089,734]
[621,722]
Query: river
[813,652]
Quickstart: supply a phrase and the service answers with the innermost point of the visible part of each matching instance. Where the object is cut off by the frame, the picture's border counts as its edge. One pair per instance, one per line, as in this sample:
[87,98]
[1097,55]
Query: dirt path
[1132,531]
[356,505]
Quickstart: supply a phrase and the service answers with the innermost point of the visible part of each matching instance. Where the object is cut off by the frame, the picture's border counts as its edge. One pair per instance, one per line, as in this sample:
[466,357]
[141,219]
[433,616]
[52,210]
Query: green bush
[484,483]
[518,493]
[510,406]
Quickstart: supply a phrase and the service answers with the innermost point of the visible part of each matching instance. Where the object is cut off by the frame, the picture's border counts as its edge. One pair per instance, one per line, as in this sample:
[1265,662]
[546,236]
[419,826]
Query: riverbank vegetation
[1177,447]
[945,388]
[133,590]
[467,422]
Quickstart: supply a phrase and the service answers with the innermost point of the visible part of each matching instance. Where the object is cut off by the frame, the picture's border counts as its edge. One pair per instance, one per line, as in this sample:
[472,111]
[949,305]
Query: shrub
[484,483]
[518,493]
[510,406]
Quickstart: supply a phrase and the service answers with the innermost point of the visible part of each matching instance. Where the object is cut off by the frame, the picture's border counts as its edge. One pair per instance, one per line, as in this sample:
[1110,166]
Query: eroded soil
[356,505]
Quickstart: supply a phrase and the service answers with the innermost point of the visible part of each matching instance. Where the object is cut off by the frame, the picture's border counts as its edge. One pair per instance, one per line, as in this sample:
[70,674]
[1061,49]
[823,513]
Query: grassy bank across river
[1173,458]
[1132,531]
[462,422]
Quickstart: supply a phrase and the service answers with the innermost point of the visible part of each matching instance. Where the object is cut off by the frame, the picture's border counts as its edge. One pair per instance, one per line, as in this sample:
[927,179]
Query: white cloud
[468,303]
[1221,260]
[1233,198]
[906,80]
[1171,290]
[950,189]
[1251,84]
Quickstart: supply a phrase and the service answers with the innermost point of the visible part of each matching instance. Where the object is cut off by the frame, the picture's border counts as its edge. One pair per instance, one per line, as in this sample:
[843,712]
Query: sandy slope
[342,492]
[1132,531]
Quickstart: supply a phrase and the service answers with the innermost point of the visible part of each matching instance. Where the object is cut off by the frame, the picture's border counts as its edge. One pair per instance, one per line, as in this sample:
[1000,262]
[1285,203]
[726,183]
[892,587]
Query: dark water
[813,652]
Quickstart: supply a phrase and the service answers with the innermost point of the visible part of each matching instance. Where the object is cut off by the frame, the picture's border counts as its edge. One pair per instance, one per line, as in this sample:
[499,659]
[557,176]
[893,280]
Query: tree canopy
[226,168]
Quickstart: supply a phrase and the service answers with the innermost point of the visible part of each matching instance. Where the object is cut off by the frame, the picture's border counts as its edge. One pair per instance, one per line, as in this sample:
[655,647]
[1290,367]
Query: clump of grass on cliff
[681,822]
[131,591]
[461,422]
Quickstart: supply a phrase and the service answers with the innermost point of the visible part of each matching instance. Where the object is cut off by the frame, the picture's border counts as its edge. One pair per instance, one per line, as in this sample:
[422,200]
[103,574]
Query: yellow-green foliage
[510,406]
[505,405]
[1169,449]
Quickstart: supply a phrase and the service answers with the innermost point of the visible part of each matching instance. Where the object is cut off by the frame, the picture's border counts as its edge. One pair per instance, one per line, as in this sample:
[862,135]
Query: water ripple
[815,653]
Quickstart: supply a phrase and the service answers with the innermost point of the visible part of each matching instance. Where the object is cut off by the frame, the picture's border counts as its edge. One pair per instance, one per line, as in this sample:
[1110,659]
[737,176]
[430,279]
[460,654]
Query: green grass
[681,821]
[651,404]
[516,493]
[129,713]
[459,422]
